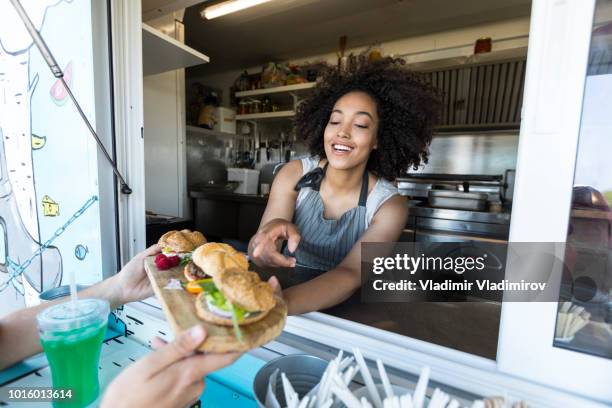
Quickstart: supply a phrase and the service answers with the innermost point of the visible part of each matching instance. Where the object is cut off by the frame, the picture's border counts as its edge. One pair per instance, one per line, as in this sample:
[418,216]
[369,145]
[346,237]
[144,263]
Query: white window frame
[126,23]
[552,113]
[479,375]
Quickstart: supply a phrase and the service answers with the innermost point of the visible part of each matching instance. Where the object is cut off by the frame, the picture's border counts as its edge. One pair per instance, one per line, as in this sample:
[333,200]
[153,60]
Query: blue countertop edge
[240,375]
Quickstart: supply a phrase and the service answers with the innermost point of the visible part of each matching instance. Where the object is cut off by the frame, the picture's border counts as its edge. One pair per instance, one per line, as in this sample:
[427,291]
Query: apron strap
[312,179]
[363,196]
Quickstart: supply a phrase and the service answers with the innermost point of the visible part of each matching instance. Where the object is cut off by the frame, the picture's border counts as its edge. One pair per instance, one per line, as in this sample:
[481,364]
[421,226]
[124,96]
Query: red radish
[164,262]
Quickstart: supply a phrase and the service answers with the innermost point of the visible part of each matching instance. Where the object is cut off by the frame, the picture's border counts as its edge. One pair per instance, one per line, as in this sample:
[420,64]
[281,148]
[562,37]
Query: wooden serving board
[179,307]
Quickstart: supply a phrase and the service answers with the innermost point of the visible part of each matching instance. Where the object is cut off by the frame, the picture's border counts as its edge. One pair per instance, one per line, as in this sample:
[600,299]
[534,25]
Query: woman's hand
[263,249]
[131,283]
[172,376]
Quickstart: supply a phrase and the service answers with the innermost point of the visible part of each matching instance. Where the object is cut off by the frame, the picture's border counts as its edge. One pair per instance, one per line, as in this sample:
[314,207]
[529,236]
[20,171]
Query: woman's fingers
[275,258]
[293,237]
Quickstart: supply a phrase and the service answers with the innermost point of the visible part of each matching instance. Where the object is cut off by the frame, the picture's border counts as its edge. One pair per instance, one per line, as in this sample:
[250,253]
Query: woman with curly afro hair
[365,127]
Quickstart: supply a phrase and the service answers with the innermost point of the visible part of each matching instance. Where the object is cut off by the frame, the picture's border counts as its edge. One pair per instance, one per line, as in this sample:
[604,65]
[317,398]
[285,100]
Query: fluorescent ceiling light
[230,6]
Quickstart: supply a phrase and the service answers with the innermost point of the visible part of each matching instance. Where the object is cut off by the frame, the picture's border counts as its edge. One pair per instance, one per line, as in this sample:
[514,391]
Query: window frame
[551,123]
[479,375]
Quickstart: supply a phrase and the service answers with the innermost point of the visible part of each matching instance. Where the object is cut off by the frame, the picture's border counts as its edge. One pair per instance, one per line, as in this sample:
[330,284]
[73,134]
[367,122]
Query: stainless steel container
[459,200]
[302,370]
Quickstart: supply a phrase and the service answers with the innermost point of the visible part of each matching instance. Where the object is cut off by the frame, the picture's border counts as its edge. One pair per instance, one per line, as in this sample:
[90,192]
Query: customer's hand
[172,376]
[131,283]
[263,249]
[276,286]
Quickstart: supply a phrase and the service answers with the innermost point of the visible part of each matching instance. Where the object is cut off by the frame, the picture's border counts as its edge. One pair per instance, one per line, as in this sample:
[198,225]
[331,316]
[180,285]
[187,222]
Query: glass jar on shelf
[256,106]
[243,107]
[266,104]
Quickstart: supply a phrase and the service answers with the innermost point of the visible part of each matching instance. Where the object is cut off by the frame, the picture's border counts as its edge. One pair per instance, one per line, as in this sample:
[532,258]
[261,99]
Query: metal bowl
[302,370]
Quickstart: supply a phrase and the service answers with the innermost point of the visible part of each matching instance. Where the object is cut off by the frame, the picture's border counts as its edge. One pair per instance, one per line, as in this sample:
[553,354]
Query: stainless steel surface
[508,192]
[490,153]
[458,200]
[486,95]
[302,370]
[437,226]
[204,161]
[419,184]
[458,194]
[460,215]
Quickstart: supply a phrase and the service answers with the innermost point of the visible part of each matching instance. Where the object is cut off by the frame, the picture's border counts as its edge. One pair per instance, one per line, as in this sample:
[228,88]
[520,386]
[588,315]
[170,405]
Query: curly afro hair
[407,106]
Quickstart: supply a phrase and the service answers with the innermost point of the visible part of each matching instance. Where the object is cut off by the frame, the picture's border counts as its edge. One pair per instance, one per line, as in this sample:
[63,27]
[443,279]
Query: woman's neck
[344,180]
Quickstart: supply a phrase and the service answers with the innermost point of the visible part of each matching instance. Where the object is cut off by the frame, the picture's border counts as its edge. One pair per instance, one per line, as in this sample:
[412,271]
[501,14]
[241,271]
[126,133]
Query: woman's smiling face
[350,134]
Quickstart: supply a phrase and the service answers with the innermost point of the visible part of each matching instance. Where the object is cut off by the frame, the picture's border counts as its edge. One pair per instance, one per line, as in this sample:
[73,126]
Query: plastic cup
[72,340]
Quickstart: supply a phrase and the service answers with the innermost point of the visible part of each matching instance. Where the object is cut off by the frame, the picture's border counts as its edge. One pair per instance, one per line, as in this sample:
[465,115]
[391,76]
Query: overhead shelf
[267,115]
[162,53]
[508,55]
[277,90]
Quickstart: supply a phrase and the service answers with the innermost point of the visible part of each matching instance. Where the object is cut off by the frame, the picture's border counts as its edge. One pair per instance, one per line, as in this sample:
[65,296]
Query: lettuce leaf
[235,322]
[216,298]
[186,259]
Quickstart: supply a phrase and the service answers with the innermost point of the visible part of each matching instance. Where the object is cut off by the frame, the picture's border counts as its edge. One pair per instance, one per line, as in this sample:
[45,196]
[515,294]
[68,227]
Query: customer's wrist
[109,289]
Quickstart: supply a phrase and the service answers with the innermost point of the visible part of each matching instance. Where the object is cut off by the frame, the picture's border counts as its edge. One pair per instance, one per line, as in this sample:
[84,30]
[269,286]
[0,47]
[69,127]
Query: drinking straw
[453,404]
[73,291]
[367,377]
[384,378]
[346,397]
[421,387]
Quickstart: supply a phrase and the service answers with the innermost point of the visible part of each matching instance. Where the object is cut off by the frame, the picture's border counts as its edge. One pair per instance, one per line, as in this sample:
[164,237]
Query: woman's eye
[361,126]
[331,122]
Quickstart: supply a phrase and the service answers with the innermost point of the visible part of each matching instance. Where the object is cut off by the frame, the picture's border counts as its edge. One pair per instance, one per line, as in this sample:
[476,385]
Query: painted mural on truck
[49,216]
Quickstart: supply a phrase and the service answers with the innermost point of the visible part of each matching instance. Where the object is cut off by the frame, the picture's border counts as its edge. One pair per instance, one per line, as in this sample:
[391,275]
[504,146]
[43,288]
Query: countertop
[228,196]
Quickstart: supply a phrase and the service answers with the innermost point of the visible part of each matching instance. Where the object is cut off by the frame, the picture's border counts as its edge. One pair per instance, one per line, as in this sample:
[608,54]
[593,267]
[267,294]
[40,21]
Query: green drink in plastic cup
[72,338]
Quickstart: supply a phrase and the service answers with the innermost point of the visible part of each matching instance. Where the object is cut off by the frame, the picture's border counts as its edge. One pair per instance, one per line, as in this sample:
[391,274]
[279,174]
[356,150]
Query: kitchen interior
[218,109]
[217,132]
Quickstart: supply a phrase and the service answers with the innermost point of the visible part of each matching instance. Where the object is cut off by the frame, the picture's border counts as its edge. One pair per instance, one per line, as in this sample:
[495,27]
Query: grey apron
[325,243]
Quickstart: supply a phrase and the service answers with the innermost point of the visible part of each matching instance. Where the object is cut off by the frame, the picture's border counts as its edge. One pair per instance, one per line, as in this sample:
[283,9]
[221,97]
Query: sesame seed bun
[214,258]
[182,241]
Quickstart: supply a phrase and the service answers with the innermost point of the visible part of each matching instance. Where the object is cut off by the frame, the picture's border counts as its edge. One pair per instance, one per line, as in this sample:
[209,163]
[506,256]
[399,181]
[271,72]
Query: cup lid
[64,317]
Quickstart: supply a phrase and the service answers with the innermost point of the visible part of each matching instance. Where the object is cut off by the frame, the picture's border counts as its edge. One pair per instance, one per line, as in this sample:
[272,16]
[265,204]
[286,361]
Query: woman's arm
[19,331]
[276,225]
[338,284]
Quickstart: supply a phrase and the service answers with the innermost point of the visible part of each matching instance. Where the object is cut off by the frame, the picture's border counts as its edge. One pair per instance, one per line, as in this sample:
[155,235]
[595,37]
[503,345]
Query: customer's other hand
[172,376]
[263,249]
[131,283]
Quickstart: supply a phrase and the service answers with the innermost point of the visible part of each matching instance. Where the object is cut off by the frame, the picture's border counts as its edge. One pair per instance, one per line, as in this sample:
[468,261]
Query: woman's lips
[341,149]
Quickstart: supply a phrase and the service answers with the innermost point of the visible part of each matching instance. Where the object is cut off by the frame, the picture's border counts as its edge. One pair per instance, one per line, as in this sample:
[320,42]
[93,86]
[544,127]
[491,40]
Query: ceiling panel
[286,29]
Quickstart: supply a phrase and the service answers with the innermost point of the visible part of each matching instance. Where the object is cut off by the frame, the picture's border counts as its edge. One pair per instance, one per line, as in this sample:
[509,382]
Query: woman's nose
[344,134]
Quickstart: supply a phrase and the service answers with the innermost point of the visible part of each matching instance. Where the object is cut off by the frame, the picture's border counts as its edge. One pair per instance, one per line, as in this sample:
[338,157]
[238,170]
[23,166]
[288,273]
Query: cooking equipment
[488,190]
[459,200]
[248,179]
